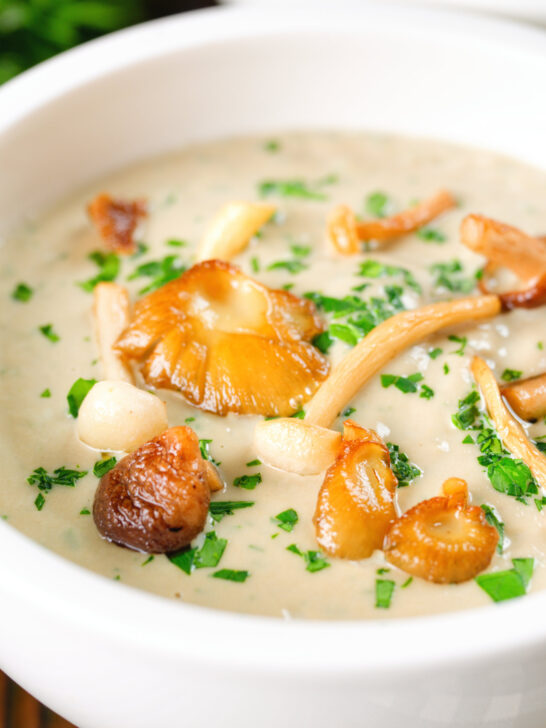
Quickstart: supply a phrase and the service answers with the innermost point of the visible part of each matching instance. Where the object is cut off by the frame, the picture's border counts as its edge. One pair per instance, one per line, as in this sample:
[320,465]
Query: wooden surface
[18,709]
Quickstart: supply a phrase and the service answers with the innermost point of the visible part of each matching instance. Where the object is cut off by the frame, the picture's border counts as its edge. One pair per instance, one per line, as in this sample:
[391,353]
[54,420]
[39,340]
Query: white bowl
[108,656]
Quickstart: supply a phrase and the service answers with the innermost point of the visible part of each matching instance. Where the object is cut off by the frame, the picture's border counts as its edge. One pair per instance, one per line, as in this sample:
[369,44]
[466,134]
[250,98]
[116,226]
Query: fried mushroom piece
[156,499]
[527,397]
[116,221]
[355,505]
[442,539]
[227,342]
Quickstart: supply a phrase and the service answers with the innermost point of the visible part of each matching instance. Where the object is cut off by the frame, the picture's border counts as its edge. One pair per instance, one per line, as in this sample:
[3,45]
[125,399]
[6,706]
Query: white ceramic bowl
[107,656]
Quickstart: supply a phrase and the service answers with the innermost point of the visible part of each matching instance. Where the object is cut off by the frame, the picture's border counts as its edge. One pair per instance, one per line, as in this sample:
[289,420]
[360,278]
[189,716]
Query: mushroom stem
[384,343]
[527,397]
[111,317]
[508,428]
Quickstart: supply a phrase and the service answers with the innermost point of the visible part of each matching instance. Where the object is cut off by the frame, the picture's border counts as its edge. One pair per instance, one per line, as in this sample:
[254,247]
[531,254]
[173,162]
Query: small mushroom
[442,539]
[276,441]
[346,232]
[508,428]
[506,246]
[156,499]
[230,231]
[355,505]
[116,221]
[527,397]
[111,316]
[116,415]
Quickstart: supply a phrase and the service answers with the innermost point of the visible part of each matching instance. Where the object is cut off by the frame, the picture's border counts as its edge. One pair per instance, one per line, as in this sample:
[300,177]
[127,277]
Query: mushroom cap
[227,342]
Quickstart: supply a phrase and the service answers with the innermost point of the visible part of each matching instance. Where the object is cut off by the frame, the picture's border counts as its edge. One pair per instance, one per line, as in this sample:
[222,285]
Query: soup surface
[47,343]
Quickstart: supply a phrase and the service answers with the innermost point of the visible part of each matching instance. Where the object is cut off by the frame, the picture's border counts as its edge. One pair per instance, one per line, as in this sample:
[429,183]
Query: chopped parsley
[384,589]
[376,204]
[510,375]
[404,470]
[298,414]
[101,467]
[204,446]
[375,269]
[85,512]
[175,243]
[287,519]
[291,266]
[462,340]
[449,277]
[493,519]
[219,509]
[49,333]
[348,411]
[540,503]
[255,264]
[426,392]
[512,477]
[253,463]
[22,292]
[248,482]
[142,248]
[502,585]
[404,384]
[148,560]
[108,265]
[272,145]
[208,556]
[159,271]
[406,583]
[314,560]
[431,235]
[467,411]
[46,394]
[45,481]
[435,353]
[446,368]
[231,575]
[77,393]
[290,188]
[323,342]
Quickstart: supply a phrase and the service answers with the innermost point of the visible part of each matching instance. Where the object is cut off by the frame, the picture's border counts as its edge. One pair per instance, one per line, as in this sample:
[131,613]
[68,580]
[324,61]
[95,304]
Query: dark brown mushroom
[156,499]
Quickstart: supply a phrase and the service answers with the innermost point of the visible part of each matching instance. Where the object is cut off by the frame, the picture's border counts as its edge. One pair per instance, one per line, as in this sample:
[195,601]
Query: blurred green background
[33,30]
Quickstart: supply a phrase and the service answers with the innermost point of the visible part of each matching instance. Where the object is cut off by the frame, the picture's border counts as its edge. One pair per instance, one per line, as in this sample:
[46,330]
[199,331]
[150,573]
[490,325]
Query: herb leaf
[290,188]
[231,575]
[449,276]
[375,269]
[210,552]
[314,560]
[384,589]
[47,331]
[22,292]
[510,375]
[101,467]
[404,470]
[493,520]
[248,482]
[45,481]
[431,235]
[502,585]
[287,519]
[108,265]
[219,509]
[376,204]
[160,271]
[77,393]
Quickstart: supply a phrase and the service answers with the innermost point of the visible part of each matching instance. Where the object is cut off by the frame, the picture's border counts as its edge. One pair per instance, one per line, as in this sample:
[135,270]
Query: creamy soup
[47,343]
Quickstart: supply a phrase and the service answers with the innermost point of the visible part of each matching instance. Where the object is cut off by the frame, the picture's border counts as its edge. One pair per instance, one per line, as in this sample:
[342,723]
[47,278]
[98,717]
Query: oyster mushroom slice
[442,539]
[508,428]
[295,448]
[227,342]
[156,499]
[527,397]
[230,231]
[346,232]
[506,246]
[355,505]
[116,221]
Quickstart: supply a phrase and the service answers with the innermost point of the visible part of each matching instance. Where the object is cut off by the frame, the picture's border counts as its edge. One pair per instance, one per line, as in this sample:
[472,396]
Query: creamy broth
[184,192]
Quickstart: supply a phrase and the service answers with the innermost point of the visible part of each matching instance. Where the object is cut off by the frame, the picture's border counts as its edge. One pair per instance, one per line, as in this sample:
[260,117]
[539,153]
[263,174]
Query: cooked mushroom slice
[346,232]
[293,444]
[442,539]
[508,428]
[355,505]
[116,220]
[231,229]
[527,397]
[116,415]
[227,343]
[506,246]
[212,475]
[156,499]
[111,317]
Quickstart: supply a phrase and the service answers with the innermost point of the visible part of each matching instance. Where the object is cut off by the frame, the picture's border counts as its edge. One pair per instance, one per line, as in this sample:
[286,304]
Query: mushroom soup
[325,277]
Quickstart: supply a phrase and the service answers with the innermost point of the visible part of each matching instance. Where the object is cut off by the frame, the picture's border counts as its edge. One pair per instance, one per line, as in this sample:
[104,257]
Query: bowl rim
[32,573]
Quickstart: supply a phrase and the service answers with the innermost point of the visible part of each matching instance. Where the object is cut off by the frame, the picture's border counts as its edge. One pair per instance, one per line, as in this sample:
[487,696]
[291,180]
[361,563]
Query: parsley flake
[248,482]
[77,393]
[49,333]
[384,589]
[101,467]
[502,585]
[219,509]
[287,519]
[22,292]
[404,470]
[510,375]
[231,575]
[108,265]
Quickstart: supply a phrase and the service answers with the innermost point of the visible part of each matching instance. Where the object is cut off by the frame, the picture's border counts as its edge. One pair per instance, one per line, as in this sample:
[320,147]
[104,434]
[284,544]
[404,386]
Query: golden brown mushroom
[355,504]
[527,397]
[116,220]
[442,539]
[156,499]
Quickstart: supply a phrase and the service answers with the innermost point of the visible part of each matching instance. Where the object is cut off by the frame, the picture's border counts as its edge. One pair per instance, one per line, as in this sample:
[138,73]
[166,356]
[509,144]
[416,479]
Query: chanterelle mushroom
[442,539]
[156,499]
[355,505]
[227,342]
[116,220]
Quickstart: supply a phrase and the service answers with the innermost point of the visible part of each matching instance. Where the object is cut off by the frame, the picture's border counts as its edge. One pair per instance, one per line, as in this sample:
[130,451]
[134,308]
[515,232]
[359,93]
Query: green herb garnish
[204,446]
[384,589]
[85,512]
[502,585]
[431,235]
[253,463]
[47,331]
[493,519]
[376,204]
[375,269]
[462,340]
[46,394]
[22,293]
[290,188]
[402,467]
[77,393]
[404,384]
[219,509]
[449,276]
[231,575]
[510,375]
[248,482]
[108,265]
[159,271]
[287,519]
[435,353]
[101,467]
[314,560]
[45,481]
